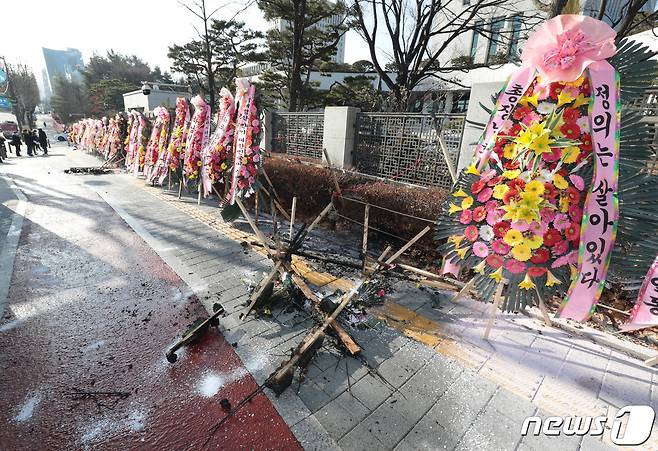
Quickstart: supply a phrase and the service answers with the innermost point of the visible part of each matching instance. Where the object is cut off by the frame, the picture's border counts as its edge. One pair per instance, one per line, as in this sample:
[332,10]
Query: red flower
[555,89]
[515,266]
[573,195]
[541,256]
[571,114]
[511,165]
[586,142]
[495,181]
[509,195]
[553,155]
[515,129]
[550,192]
[551,237]
[501,228]
[495,261]
[466,217]
[535,271]
[521,111]
[572,232]
[477,186]
[479,213]
[471,233]
[570,130]
[516,184]
[560,247]
[381,293]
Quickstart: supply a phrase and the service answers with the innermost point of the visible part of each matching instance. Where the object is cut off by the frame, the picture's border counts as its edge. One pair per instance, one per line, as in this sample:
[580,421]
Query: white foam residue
[211,383]
[93,346]
[10,325]
[28,408]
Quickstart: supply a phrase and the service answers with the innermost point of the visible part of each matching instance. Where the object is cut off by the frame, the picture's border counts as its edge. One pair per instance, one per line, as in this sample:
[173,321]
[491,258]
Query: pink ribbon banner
[223,122]
[645,311]
[507,100]
[245,96]
[601,211]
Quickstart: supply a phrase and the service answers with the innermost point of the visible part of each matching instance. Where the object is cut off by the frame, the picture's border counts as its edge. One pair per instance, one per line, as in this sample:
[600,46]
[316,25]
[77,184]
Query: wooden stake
[292,216]
[317,220]
[408,245]
[494,308]
[180,188]
[465,290]
[169,179]
[543,309]
[256,230]
[364,247]
[273,215]
[198,200]
[653,361]
[256,208]
[449,164]
[331,169]
[260,288]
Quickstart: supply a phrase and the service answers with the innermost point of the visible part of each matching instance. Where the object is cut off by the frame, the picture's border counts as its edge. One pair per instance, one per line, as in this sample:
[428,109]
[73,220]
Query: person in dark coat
[3,147]
[28,139]
[16,142]
[43,141]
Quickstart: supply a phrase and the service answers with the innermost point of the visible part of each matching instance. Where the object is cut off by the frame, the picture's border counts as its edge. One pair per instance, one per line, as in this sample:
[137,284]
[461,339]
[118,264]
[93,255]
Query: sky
[141,27]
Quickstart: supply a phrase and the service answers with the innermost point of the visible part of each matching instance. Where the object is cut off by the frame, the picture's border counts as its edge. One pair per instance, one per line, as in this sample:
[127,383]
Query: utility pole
[12,94]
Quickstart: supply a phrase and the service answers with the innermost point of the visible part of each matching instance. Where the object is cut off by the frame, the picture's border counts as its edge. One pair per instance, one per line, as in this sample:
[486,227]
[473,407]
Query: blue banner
[5,103]
[3,76]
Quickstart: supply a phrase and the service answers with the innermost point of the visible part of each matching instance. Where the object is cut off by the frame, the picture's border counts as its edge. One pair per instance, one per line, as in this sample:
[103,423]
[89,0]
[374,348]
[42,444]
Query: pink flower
[560,247]
[480,249]
[466,217]
[575,213]
[536,228]
[530,118]
[515,266]
[493,217]
[471,233]
[491,205]
[485,195]
[547,215]
[566,45]
[521,226]
[488,175]
[500,247]
[577,181]
[561,221]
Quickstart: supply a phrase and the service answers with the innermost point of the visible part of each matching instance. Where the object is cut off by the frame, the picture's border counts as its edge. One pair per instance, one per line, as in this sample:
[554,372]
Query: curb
[8,253]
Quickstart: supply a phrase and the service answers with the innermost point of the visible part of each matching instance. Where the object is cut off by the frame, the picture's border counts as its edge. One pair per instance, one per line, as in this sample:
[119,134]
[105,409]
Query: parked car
[61,137]
[8,127]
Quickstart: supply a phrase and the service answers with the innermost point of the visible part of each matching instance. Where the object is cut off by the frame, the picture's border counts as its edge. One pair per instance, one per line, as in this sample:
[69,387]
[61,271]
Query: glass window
[466,2]
[515,34]
[474,42]
[495,37]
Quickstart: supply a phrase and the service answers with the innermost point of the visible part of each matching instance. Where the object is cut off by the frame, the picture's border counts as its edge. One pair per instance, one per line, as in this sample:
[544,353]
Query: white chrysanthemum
[545,108]
[486,232]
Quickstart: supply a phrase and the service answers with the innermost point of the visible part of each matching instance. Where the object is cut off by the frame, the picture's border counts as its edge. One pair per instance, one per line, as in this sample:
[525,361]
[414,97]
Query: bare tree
[419,32]
[25,91]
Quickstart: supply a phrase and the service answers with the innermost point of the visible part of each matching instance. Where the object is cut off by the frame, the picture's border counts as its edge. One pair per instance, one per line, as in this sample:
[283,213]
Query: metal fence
[405,147]
[298,134]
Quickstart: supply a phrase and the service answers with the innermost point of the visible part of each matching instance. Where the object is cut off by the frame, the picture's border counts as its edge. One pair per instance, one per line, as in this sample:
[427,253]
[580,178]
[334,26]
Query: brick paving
[443,388]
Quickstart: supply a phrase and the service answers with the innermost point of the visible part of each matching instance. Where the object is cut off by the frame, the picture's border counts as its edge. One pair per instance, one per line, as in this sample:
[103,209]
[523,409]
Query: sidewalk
[445,389]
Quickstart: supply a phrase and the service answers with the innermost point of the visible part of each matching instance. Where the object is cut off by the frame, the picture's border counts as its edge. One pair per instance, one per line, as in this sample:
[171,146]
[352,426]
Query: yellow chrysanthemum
[527,283]
[467,202]
[198,163]
[521,252]
[497,275]
[535,188]
[560,182]
[460,193]
[564,204]
[535,241]
[510,151]
[551,279]
[453,209]
[570,154]
[513,237]
[499,191]
[472,170]
[224,166]
[529,200]
[511,175]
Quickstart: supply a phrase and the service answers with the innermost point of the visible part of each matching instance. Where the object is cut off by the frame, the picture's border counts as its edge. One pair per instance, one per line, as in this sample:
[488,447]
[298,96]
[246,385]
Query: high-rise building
[61,62]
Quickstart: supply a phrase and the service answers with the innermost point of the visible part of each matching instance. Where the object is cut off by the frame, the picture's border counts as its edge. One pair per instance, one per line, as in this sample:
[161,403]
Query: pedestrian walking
[28,139]
[3,147]
[43,141]
[16,142]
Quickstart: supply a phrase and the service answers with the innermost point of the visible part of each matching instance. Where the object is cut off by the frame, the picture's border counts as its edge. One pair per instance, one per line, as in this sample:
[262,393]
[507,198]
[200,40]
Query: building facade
[67,63]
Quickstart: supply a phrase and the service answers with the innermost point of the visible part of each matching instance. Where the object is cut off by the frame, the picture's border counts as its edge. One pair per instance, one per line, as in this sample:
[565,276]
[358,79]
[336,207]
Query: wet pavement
[90,312]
